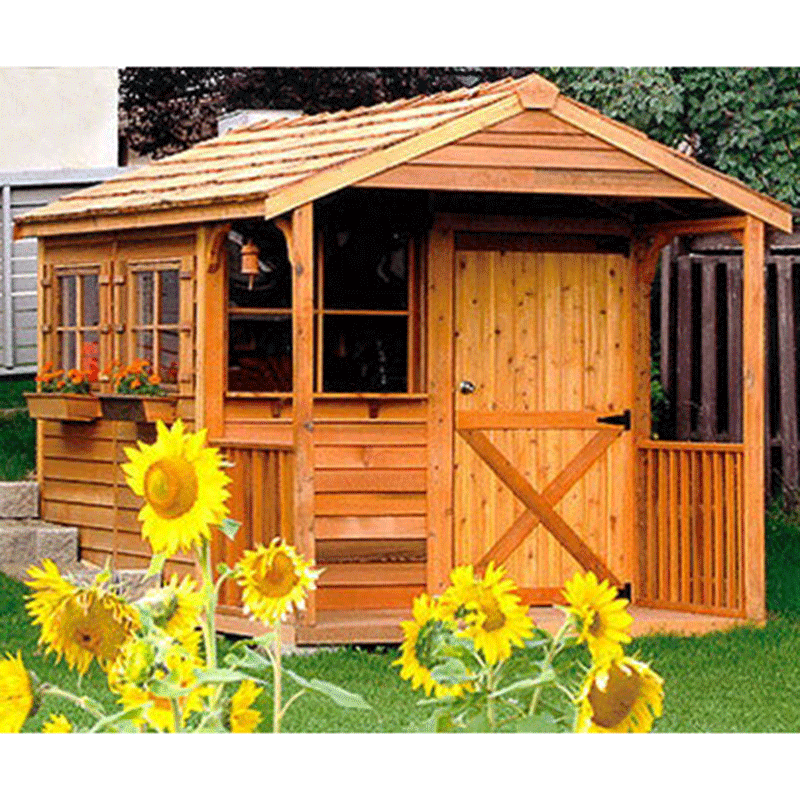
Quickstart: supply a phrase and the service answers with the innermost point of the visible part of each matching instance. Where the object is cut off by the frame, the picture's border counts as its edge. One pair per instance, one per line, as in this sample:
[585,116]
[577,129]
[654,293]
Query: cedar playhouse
[420,332]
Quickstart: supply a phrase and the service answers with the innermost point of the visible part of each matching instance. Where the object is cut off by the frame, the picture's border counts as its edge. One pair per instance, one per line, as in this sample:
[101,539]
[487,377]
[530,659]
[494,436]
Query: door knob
[466,387]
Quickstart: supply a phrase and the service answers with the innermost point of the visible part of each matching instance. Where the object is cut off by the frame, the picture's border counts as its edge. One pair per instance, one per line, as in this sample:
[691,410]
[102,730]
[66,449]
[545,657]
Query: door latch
[623,419]
[466,387]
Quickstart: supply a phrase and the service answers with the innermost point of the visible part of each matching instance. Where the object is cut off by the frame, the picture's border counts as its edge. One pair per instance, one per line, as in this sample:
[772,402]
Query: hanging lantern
[250,262]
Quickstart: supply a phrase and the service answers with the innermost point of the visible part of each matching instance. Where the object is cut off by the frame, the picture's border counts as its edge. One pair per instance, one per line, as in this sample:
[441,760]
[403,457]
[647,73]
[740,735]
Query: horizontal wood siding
[691,537]
[83,484]
[370,497]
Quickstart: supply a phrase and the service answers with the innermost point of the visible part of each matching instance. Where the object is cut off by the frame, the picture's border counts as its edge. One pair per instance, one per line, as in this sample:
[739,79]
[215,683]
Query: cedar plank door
[543,332]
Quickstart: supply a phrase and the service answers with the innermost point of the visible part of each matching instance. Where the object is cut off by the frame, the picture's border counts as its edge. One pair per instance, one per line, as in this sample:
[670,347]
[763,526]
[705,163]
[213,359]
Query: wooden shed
[442,357]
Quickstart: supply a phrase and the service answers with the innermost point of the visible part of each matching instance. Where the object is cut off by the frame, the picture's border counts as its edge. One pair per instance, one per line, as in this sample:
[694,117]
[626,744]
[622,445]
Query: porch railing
[691,552]
[261,499]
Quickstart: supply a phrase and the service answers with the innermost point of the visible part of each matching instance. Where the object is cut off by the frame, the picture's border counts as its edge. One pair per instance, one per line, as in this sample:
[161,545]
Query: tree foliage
[742,121]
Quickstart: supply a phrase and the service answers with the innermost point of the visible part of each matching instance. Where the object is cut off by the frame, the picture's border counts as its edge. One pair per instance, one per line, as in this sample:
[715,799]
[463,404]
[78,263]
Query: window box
[138,408]
[64,407]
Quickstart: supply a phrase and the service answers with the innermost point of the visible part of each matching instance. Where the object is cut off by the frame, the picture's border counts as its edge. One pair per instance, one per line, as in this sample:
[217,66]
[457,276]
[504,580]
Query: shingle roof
[261,158]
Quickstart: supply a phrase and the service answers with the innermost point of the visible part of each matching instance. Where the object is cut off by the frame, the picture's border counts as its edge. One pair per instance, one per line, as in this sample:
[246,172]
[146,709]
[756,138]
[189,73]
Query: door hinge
[623,419]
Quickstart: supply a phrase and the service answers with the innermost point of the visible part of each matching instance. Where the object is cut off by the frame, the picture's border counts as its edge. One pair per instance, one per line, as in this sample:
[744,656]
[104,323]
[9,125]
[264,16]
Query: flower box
[138,408]
[63,406]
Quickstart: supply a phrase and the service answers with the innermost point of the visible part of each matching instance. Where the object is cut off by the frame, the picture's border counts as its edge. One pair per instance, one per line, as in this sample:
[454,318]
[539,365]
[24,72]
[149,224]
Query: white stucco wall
[58,117]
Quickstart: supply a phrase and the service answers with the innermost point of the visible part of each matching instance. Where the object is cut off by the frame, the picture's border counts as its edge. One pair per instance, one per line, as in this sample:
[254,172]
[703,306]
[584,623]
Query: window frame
[78,271]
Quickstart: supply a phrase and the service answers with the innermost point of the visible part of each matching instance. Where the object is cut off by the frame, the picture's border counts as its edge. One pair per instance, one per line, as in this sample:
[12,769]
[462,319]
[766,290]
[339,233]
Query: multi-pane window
[154,288]
[365,310]
[259,313]
[78,317]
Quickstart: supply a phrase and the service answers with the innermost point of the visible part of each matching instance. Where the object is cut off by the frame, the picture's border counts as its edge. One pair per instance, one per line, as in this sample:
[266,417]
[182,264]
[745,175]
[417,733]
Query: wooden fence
[697,341]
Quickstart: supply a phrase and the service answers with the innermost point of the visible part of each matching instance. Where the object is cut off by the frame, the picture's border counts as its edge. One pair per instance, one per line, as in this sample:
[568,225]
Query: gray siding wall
[20,193]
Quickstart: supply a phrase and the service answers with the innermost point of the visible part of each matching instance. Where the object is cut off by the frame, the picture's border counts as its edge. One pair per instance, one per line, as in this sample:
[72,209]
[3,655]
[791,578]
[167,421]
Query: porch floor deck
[383,626]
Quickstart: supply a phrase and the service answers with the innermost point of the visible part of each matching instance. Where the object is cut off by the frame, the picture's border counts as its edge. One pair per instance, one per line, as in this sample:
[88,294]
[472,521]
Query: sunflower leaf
[525,683]
[538,723]
[123,716]
[221,675]
[249,659]
[169,690]
[450,672]
[335,693]
[230,527]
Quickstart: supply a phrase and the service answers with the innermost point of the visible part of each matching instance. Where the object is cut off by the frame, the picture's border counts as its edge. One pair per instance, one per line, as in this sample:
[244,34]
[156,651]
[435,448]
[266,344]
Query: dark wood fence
[697,343]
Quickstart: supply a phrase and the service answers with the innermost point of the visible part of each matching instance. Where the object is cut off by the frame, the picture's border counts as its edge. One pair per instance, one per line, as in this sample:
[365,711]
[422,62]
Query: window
[366,315]
[78,317]
[154,327]
[259,312]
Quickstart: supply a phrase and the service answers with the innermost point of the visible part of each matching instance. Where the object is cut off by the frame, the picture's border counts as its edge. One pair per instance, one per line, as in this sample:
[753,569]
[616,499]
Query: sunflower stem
[276,673]
[555,647]
[176,714]
[291,700]
[210,595]
[85,703]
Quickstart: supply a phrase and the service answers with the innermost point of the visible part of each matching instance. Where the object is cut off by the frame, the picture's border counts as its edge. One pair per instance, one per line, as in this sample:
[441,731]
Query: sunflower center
[595,627]
[495,618]
[170,487]
[612,706]
[278,578]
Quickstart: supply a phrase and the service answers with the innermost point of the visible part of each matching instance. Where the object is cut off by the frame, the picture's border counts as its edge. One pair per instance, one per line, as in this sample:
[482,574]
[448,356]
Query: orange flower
[136,383]
[154,379]
[61,384]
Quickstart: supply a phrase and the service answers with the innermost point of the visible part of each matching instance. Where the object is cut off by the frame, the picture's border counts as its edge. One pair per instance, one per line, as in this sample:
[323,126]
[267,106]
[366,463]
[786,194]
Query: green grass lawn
[17,431]
[742,681]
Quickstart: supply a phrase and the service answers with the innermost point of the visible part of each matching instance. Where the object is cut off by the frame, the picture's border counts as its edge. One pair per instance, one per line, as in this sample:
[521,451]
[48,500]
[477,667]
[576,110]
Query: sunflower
[424,638]
[80,623]
[600,616]
[175,666]
[488,610]
[620,695]
[57,723]
[175,607]
[183,484]
[273,579]
[244,719]
[16,694]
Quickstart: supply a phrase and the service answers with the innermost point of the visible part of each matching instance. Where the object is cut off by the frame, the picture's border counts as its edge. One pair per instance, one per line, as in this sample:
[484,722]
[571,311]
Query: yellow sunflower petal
[243,718]
[57,723]
[16,694]
[274,579]
[183,484]
[80,623]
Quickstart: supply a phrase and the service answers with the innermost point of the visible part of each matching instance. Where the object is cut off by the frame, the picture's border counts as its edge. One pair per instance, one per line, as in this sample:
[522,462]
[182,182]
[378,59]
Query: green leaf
[221,675]
[249,659]
[230,527]
[169,690]
[525,683]
[478,724]
[451,672]
[340,696]
[538,723]
[123,716]
[156,565]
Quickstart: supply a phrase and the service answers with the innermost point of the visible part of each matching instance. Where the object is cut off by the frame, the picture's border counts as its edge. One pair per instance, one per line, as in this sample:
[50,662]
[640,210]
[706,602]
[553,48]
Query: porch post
[753,417]
[302,258]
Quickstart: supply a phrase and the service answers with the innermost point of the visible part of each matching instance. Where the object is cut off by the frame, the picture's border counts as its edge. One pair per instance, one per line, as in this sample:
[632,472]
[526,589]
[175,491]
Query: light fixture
[250,262]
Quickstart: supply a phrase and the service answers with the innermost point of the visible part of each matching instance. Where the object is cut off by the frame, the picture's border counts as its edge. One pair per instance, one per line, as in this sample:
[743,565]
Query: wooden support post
[753,417]
[301,249]
[440,408]
[646,257]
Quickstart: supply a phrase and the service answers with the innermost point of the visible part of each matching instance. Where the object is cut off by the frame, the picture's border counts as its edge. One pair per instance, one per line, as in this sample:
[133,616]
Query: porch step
[383,626]
[19,499]
[24,542]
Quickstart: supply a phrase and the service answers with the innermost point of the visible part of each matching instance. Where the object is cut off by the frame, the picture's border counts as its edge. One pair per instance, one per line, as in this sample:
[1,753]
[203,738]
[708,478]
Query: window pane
[91,301]
[169,297]
[272,286]
[366,268]
[260,354]
[365,354]
[168,357]
[90,354]
[68,300]
[144,345]
[67,350]
[144,298]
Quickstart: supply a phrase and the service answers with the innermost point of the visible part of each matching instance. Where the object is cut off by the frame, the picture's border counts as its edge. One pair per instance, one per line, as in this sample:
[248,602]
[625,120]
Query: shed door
[540,483]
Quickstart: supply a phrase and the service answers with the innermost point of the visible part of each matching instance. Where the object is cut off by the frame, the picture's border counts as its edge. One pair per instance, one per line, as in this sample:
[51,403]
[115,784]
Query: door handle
[466,387]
